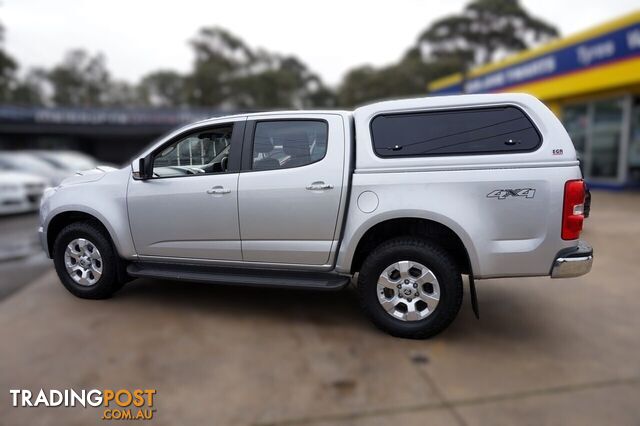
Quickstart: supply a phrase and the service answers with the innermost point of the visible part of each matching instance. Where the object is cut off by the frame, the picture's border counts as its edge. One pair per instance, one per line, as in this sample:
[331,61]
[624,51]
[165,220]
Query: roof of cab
[273,112]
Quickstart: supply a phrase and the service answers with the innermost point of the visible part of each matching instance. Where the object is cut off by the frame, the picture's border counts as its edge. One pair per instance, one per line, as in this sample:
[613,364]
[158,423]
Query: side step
[235,276]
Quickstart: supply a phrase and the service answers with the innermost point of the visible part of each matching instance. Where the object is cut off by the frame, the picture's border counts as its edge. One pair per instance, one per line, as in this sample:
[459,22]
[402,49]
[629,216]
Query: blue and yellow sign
[602,58]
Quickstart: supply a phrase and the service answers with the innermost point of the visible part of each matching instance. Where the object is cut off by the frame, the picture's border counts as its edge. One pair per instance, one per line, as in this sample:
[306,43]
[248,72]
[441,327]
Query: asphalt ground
[21,257]
[550,352]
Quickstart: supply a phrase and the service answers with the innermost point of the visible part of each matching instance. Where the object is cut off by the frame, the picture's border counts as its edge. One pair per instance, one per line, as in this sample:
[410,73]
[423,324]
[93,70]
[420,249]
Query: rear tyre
[86,262]
[410,287]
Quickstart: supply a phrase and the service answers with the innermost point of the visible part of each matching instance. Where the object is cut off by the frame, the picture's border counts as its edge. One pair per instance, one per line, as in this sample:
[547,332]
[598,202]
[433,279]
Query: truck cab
[278,190]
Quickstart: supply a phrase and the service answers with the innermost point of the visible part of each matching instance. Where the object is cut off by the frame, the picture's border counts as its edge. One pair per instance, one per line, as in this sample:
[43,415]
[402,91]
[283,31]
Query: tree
[219,58]
[407,77]
[280,82]
[8,67]
[163,88]
[486,31]
[80,80]
[227,73]
[121,94]
[31,89]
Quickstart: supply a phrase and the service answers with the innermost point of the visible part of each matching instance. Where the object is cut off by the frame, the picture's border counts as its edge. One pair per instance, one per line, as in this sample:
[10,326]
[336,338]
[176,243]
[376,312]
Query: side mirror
[145,168]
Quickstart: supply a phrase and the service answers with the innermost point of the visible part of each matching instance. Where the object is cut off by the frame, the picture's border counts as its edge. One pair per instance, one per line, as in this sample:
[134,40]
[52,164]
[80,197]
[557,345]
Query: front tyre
[410,287]
[85,261]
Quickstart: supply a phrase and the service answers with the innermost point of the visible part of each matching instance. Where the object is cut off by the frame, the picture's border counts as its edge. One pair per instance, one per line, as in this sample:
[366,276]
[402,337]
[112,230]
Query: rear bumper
[573,261]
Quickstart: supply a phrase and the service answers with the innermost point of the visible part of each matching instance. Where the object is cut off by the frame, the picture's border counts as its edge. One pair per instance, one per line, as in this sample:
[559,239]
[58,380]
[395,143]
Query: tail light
[573,209]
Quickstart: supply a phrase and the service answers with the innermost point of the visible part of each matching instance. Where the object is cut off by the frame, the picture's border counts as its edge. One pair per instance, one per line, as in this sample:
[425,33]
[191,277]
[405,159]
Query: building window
[596,129]
[576,120]
[605,138]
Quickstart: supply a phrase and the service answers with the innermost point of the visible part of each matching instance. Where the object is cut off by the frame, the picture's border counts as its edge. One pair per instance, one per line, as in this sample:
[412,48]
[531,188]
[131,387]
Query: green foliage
[30,90]
[119,93]
[163,88]
[228,73]
[7,70]
[485,31]
[408,77]
[80,80]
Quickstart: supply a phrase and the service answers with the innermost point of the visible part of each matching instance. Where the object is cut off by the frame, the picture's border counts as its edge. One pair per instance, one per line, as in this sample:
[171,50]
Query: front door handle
[218,190]
[319,186]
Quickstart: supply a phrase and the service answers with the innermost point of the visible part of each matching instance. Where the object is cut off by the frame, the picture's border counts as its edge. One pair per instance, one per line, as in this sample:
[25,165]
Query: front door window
[204,151]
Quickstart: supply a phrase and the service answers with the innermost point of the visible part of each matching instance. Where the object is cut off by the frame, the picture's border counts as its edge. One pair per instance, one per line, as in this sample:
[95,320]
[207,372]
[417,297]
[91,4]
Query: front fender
[105,200]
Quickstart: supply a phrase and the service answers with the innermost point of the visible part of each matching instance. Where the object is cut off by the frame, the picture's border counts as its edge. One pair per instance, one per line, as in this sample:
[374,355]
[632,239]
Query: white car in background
[71,161]
[20,192]
[28,163]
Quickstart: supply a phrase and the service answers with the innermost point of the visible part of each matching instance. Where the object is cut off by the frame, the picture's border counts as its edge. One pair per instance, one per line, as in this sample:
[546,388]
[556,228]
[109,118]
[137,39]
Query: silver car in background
[70,161]
[25,162]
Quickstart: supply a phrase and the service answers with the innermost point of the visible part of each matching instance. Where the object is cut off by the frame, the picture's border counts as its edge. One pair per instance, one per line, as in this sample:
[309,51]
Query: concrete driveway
[544,352]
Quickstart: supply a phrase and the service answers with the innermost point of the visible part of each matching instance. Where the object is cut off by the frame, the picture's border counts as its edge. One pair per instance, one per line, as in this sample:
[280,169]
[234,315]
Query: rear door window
[492,130]
[284,144]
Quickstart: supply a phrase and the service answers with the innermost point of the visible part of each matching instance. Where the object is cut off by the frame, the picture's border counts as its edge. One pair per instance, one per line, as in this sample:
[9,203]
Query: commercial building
[109,134]
[591,80]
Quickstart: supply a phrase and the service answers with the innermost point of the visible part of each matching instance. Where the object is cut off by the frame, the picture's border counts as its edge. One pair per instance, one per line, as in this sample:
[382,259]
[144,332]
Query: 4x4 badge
[501,194]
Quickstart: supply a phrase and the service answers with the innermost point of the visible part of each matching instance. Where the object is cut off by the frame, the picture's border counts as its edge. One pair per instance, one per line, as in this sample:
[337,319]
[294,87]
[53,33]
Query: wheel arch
[67,217]
[440,230]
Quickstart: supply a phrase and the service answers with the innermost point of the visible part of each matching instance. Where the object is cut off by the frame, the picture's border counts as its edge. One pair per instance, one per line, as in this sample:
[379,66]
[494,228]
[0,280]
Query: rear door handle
[319,186]
[218,190]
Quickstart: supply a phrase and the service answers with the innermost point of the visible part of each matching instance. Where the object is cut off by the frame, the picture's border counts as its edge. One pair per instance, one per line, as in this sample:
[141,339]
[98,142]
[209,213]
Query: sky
[330,36]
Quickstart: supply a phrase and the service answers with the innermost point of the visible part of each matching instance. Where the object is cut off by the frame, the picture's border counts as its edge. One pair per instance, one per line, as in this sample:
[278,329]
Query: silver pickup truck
[403,196]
